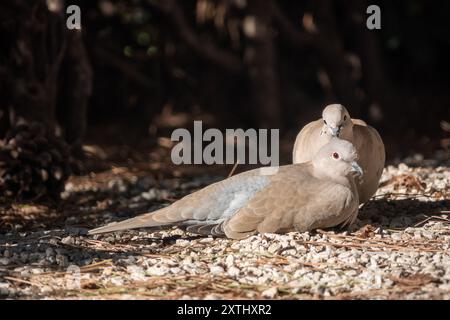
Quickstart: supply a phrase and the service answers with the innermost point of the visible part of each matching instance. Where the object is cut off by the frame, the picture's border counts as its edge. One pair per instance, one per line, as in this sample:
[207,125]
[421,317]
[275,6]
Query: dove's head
[337,159]
[336,121]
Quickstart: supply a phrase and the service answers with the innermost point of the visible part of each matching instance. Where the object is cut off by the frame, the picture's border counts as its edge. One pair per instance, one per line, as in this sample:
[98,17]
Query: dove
[336,122]
[317,194]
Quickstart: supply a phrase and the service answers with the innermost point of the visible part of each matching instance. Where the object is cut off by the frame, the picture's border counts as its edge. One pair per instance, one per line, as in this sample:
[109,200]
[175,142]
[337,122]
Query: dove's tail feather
[214,229]
[157,218]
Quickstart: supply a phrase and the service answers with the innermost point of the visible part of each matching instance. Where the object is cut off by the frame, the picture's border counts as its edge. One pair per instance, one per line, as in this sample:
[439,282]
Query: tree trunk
[46,66]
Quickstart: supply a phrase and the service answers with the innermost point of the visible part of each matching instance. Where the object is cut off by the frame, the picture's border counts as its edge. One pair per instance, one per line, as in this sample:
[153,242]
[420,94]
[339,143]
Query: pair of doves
[322,189]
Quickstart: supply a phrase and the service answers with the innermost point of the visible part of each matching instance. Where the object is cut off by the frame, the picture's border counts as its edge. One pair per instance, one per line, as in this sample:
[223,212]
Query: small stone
[270,293]
[67,240]
[183,243]
[206,240]
[428,234]
[216,270]
[233,272]
[117,281]
[229,261]
[157,270]
[46,289]
[396,236]
[4,289]
[36,271]
[175,270]
[212,297]
[274,247]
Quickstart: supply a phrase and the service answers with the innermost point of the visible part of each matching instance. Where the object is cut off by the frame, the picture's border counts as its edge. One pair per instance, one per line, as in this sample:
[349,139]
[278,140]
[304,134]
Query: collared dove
[336,122]
[317,194]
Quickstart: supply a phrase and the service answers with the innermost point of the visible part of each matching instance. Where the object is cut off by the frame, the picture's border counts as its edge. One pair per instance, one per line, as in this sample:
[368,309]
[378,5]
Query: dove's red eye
[336,155]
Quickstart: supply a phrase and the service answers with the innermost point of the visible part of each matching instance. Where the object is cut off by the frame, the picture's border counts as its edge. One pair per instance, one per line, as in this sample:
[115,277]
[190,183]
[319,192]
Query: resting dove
[316,194]
[336,122]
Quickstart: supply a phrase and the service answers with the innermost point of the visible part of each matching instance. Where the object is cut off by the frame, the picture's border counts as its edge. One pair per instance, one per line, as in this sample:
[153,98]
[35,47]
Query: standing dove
[336,122]
[316,194]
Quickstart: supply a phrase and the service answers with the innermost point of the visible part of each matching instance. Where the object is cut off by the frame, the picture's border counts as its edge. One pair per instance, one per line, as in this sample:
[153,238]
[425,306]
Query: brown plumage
[317,194]
[336,122]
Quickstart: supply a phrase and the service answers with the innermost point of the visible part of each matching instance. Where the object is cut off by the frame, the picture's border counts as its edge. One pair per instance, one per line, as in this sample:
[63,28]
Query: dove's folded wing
[307,142]
[201,210]
[372,157]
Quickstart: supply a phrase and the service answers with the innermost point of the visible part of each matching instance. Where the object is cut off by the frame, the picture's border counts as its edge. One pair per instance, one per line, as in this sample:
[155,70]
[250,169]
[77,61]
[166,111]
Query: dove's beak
[335,131]
[357,169]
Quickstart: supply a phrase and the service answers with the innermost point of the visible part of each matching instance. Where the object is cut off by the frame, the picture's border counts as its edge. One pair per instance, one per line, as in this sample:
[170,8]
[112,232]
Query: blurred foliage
[250,63]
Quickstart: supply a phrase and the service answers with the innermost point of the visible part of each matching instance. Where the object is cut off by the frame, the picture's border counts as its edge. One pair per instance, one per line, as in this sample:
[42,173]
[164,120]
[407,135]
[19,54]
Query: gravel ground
[399,248]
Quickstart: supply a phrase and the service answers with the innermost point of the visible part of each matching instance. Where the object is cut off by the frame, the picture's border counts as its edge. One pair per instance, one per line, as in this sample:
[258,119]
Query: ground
[399,247]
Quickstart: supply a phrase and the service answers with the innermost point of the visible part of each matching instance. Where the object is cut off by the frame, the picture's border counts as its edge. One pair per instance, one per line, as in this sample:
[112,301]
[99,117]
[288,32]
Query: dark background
[195,58]
[141,68]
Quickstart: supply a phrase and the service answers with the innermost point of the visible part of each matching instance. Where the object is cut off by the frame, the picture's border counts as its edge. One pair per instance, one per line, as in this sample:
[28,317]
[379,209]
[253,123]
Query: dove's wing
[359,122]
[308,142]
[202,209]
[372,157]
